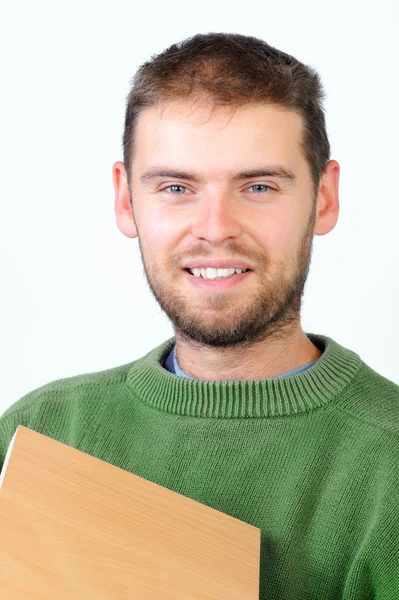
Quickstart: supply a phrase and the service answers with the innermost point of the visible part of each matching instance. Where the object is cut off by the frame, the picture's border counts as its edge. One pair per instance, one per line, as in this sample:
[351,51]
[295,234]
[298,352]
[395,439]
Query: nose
[217,217]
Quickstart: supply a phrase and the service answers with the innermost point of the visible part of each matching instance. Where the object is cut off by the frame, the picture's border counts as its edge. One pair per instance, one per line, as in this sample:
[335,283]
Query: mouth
[216,283]
[198,273]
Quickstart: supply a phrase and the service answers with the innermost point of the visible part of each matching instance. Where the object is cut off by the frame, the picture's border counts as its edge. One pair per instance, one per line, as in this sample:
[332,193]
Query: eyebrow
[273,171]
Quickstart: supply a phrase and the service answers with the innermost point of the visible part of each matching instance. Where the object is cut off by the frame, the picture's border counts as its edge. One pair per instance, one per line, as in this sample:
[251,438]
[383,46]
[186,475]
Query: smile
[216,281]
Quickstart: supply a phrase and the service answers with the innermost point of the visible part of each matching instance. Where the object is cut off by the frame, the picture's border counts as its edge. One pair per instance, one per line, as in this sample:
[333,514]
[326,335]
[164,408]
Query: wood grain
[74,526]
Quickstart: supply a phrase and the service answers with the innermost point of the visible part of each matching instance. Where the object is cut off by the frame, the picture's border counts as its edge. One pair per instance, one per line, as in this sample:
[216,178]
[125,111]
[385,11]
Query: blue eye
[260,185]
[176,185]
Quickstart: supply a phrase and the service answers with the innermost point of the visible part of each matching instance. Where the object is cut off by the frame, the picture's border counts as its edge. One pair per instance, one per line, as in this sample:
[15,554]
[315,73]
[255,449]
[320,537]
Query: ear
[327,199]
[123,208]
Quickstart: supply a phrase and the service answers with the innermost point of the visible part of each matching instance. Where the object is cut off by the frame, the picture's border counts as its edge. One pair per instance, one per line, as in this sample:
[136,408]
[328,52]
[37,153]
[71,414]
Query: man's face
[264,221]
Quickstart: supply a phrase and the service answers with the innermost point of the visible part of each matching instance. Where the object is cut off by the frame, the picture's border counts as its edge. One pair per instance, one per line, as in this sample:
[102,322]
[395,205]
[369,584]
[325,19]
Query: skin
[251,330]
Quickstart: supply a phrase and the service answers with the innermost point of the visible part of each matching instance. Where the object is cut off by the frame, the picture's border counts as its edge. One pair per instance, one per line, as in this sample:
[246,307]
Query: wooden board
[74,526]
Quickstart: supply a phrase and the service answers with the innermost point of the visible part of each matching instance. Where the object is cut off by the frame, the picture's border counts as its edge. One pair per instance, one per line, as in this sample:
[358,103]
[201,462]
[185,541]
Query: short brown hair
[232,69]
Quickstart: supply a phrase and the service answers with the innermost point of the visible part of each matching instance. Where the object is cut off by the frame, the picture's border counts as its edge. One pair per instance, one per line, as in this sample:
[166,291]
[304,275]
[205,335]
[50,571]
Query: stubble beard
[236,317]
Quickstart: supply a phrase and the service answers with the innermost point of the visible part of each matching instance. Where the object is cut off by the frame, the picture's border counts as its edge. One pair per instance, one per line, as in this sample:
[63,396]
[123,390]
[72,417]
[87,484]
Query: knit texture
[311,459]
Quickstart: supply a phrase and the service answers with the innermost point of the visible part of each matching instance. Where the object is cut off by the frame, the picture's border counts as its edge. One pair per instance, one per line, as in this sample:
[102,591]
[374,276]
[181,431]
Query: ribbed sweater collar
[249,398]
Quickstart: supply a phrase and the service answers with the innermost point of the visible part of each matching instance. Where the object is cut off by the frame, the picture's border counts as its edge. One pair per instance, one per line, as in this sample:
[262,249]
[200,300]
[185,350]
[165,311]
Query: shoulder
[374,399]
[61,406]
[67,388]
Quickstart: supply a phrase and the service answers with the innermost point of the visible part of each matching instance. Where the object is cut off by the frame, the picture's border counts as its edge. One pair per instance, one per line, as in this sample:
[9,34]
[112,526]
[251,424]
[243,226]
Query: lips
[216,285]
[217,264]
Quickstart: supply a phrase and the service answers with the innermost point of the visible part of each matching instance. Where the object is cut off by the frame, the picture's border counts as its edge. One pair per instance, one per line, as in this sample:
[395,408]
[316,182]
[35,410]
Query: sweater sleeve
[374,573]
[4,441]
[3,444]
[21,412]
[9,422]
[386,546]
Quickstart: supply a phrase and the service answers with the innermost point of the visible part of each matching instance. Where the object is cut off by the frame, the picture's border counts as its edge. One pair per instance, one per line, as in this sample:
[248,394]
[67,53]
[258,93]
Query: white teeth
[210,273]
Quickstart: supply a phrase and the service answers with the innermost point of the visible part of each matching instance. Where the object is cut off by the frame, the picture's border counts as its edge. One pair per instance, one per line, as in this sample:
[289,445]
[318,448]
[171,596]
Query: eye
[260,185]
[175,185]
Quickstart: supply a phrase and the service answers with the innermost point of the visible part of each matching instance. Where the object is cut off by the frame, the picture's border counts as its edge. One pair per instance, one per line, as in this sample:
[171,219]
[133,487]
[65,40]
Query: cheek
[160,236]
[154,226]
[279,234]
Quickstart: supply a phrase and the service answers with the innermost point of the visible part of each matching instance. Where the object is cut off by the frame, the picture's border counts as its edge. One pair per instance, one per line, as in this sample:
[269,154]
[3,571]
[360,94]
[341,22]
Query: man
[226,179]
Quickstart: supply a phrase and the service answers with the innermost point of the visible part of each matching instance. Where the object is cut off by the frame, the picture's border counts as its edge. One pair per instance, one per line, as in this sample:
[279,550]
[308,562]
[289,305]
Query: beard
[235,318]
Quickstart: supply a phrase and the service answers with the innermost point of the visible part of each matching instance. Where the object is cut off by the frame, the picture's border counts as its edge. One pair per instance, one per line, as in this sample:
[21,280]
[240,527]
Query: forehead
[218,137]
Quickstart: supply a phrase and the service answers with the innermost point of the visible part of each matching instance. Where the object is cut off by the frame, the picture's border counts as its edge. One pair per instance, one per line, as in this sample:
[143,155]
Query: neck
[272,357]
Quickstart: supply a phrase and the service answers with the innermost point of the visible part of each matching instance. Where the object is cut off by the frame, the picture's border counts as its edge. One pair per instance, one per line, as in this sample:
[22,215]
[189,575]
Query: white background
[74,298]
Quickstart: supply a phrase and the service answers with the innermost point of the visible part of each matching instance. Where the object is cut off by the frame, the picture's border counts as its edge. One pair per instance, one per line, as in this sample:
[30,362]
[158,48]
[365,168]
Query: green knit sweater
[311,459]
